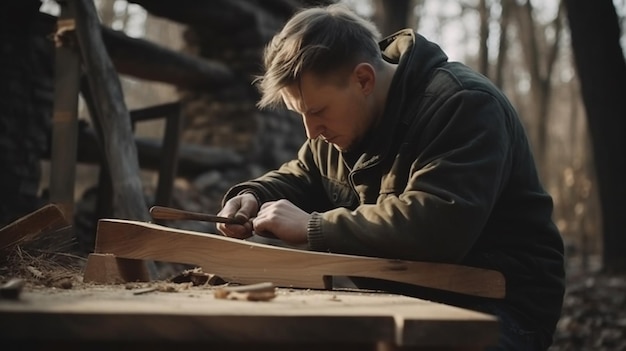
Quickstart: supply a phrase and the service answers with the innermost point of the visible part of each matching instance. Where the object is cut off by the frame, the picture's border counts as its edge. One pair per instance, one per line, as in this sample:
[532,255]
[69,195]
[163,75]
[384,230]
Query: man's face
[339,113]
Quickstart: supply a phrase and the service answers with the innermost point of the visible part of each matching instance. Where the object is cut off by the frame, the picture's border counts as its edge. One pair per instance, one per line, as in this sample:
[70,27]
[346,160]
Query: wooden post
[65,116]
[169,163]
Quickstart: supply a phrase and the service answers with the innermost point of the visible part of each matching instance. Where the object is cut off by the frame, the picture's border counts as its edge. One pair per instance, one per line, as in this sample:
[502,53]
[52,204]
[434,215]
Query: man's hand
[241,207]
[283,220]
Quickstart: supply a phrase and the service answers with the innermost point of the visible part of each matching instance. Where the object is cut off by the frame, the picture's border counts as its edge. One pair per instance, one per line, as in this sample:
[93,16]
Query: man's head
[323,65]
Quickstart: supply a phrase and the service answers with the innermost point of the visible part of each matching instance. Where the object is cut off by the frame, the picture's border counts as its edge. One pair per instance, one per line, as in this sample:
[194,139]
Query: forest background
[524,47]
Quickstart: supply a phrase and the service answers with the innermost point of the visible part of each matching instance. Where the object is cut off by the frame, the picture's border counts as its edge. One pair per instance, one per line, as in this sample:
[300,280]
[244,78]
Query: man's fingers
[237,231]
[248,207]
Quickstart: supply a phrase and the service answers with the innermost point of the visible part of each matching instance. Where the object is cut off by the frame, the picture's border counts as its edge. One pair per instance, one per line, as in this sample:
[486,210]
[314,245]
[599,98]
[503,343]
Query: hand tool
[168,213]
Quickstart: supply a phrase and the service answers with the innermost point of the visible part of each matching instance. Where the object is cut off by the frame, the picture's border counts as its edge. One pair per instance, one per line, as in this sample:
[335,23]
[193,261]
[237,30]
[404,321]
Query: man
[408,157]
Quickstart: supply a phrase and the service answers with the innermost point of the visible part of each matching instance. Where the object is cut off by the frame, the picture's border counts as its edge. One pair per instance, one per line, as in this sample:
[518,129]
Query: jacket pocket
[340,194]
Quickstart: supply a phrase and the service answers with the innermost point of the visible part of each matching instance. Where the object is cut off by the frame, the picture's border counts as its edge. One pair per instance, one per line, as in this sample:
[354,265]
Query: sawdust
[46,271]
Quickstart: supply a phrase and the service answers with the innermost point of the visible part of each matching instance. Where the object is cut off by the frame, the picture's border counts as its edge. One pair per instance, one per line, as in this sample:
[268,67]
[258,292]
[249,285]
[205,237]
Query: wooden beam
[120,150]
[247,262]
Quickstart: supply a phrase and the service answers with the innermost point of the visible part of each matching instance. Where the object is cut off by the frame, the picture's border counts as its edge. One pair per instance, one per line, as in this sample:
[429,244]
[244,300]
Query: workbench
[113,316]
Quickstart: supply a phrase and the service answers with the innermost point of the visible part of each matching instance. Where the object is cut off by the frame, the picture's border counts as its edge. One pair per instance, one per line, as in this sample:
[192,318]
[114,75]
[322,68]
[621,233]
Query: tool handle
[168,213]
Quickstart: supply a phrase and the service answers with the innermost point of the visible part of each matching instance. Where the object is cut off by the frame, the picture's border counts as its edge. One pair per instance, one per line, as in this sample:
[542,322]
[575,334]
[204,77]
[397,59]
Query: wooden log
[192,159]
[219,13]
[119,147]
[248,263]
[46,219]
[216,13]
[143,59]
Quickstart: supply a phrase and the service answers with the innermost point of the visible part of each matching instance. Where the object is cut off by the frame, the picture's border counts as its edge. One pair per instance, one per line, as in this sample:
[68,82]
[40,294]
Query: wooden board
[246,262]
[294,317]
[46,219]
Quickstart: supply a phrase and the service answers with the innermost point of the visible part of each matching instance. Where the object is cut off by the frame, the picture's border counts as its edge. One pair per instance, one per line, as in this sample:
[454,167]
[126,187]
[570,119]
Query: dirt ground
[594,313]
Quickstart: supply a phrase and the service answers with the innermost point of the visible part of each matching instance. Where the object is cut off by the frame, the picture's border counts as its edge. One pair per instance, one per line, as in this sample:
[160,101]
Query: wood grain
[247,263]
[294,318]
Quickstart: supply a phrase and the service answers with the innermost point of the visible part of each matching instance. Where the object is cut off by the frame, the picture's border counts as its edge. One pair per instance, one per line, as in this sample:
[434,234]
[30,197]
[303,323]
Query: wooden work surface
[294,319]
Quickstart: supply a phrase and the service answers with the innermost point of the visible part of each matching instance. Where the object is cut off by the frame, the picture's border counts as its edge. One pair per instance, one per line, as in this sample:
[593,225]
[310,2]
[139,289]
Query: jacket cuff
[314,233]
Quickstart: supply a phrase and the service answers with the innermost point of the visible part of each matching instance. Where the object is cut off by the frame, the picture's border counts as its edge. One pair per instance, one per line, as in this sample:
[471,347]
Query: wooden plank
[48,218]
[293,317]
[246,262]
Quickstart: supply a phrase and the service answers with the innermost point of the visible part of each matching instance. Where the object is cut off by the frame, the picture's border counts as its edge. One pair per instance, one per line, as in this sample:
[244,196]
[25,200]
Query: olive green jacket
[447,176]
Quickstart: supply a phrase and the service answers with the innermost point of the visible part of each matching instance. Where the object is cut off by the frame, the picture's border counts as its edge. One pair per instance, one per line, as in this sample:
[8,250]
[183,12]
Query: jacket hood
[421,54]
[416,58]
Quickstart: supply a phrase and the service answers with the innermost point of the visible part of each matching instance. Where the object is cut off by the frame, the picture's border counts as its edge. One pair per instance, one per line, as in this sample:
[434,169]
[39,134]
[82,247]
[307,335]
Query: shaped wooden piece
[248,263]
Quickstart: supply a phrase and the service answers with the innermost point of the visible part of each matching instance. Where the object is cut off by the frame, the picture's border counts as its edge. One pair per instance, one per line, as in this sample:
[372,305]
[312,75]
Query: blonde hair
[321,40]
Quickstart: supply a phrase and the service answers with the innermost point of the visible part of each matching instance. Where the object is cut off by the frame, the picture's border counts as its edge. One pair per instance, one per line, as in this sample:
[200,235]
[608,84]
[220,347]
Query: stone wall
[26,95]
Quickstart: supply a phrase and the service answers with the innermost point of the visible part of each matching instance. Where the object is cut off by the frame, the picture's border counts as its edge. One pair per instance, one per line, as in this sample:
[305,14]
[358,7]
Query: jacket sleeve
[297,180]
[456,167]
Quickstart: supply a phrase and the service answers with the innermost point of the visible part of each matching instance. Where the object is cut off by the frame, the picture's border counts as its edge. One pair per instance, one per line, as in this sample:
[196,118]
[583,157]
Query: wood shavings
[161,287]
[253,292]
[197,277]
[37,274]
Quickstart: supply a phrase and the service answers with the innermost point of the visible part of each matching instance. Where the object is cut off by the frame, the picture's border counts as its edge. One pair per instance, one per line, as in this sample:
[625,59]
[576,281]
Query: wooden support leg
[108,269]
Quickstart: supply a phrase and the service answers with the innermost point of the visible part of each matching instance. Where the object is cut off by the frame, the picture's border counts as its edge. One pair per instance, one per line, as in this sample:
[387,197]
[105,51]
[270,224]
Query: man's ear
[365,76]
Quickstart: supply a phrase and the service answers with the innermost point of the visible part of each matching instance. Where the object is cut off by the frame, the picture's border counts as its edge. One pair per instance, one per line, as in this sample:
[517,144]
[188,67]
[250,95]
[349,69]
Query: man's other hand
[283,220]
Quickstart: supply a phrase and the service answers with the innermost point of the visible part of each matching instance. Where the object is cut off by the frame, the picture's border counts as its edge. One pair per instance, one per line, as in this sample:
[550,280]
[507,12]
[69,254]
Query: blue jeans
[513,336]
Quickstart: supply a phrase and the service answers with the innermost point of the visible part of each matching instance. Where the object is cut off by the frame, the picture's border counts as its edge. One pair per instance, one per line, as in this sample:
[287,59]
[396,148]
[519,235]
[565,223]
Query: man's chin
[340,148]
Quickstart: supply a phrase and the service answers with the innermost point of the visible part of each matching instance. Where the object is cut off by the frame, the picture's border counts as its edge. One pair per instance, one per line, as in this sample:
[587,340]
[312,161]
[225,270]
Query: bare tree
[533,40]
[503,44]
[391,15]
[483,49]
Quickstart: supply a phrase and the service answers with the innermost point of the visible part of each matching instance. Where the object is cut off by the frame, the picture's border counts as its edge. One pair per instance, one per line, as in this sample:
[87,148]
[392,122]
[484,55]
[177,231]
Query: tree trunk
[483,50]
[391,15]
[112,114]
[540,79]
[504,40]
[602,72]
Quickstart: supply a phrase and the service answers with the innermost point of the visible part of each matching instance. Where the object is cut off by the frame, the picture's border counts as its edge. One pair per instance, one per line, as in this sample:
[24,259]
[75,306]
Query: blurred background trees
[569,99]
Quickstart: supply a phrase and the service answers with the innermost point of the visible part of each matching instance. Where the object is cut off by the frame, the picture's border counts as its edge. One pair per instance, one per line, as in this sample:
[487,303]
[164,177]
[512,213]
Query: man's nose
[313,128]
